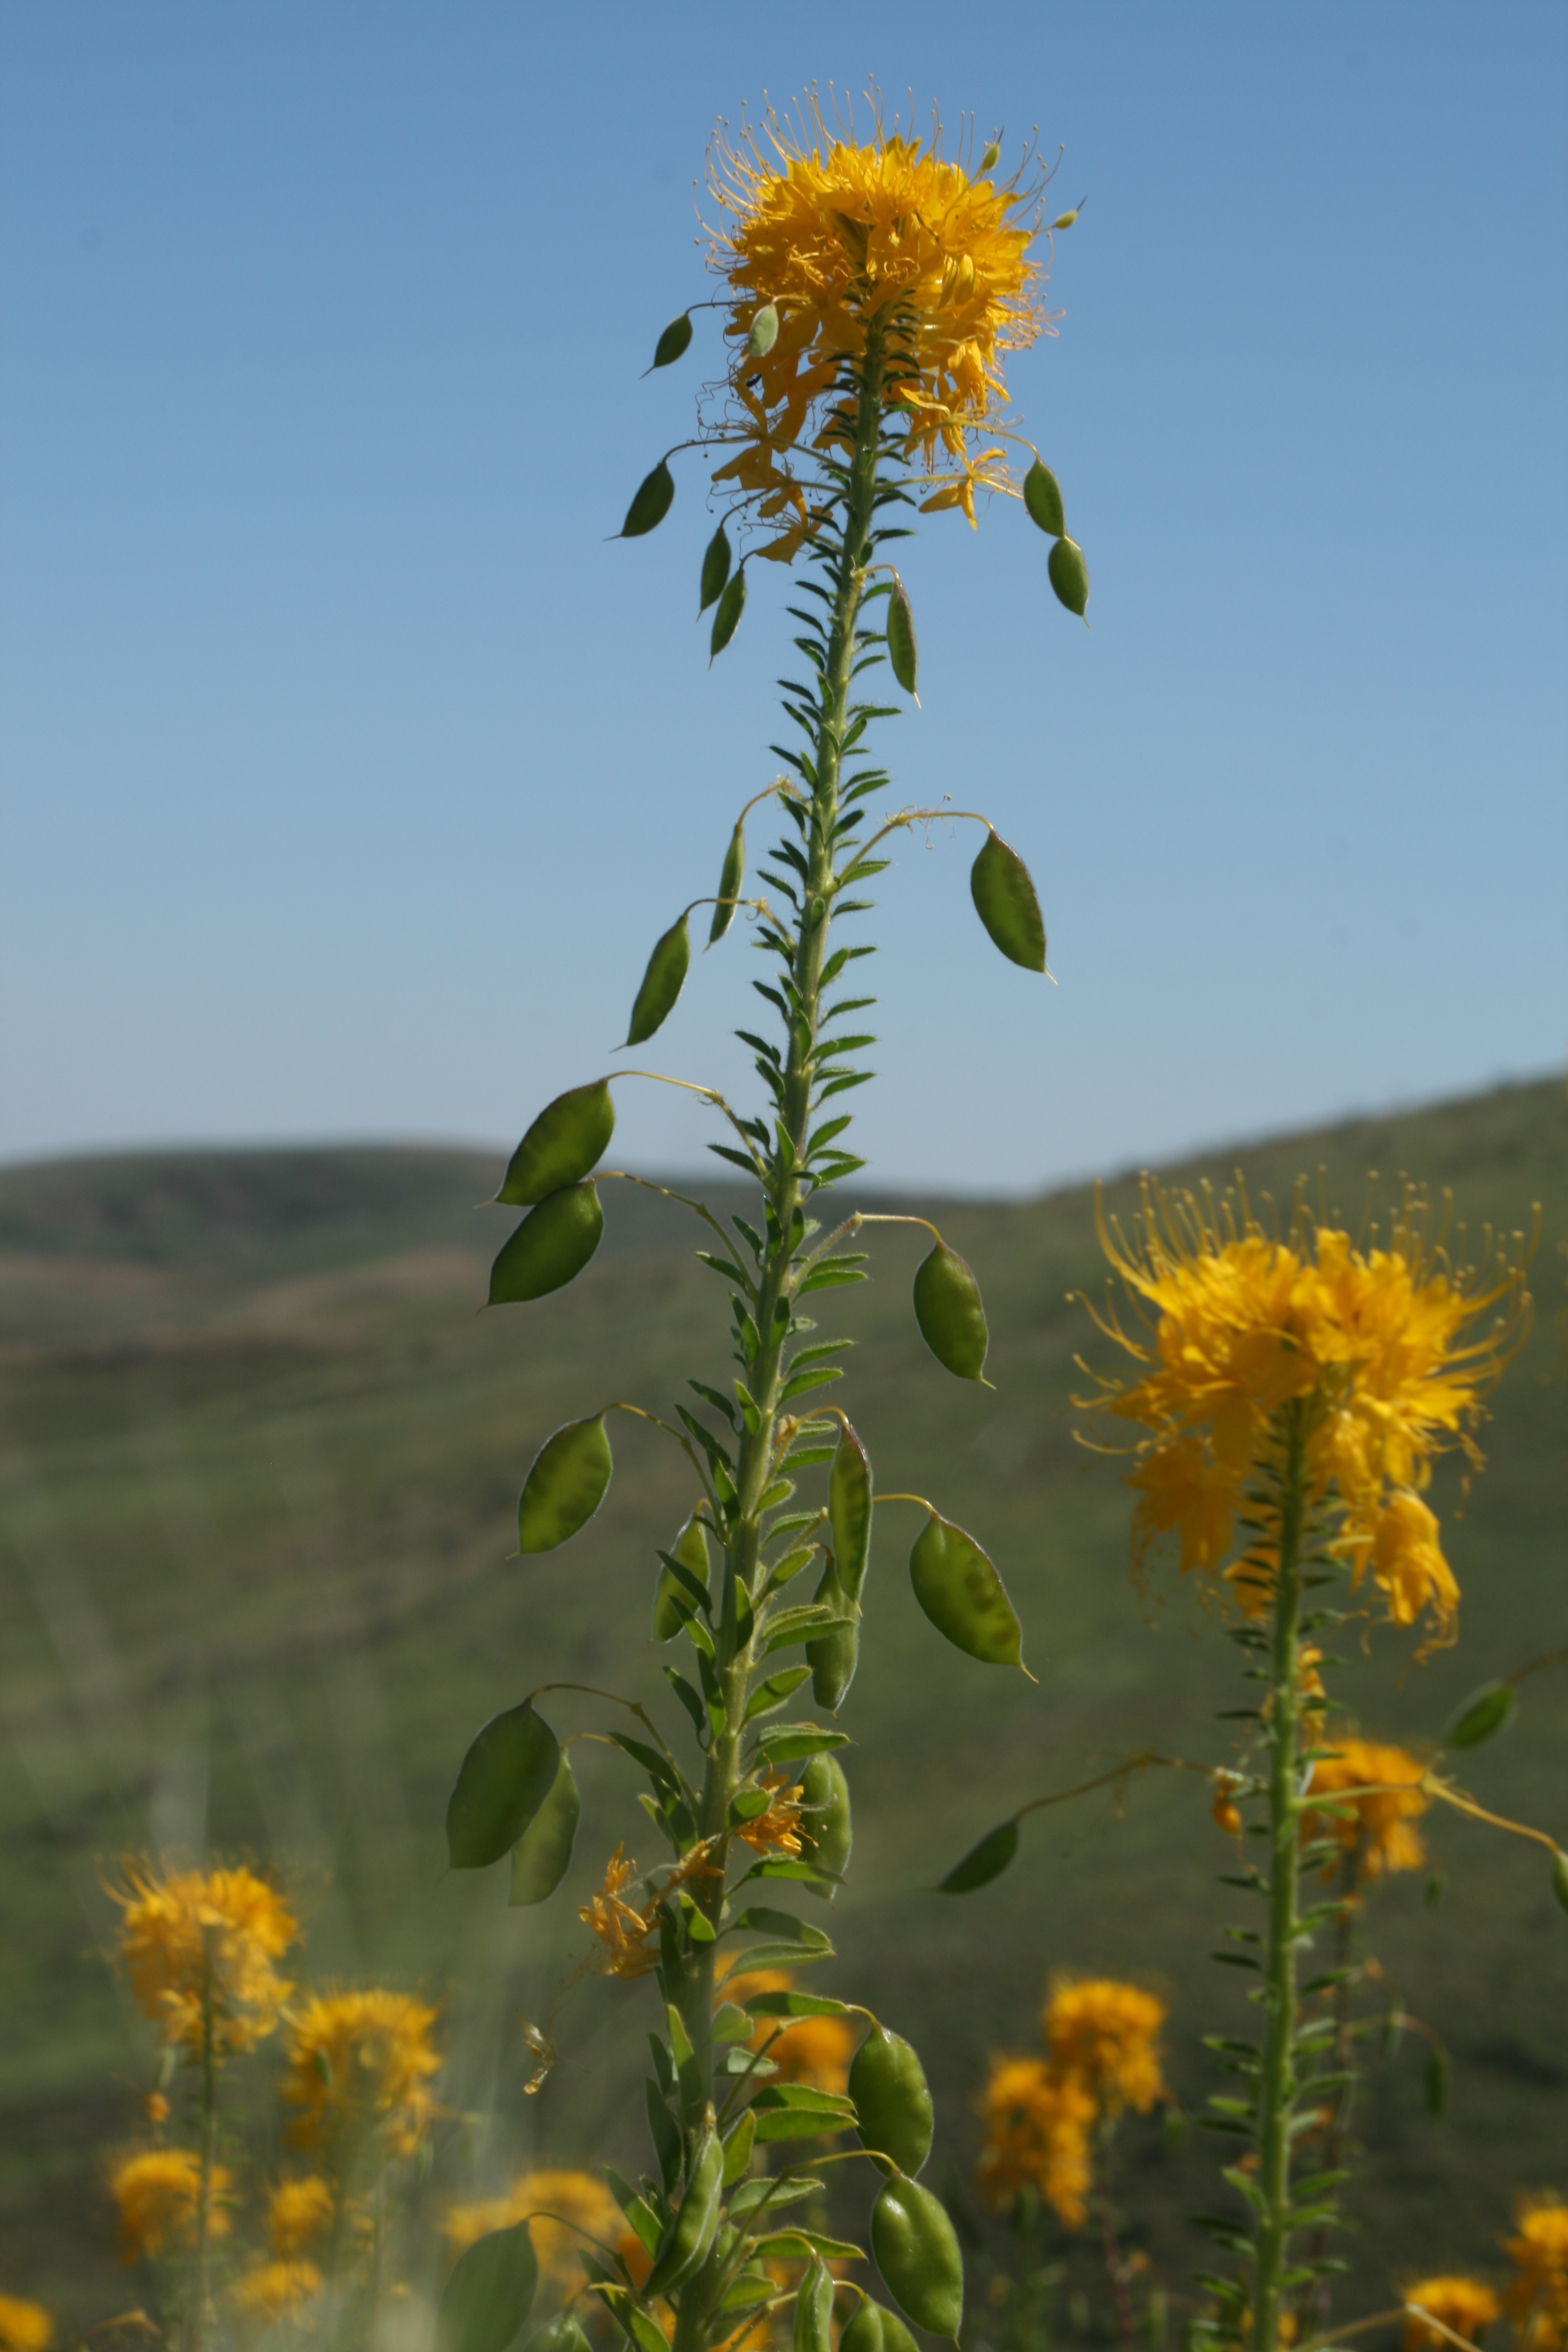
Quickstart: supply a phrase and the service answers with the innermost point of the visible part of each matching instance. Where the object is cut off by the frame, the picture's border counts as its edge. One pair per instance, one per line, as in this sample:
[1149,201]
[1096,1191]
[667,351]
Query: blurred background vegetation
[258,1466]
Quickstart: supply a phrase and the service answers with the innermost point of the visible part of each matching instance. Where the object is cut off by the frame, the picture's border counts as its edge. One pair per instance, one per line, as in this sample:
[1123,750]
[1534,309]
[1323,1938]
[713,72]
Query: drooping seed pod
[963,1595]
[984,1862]
[570,1135]
[674,340]
[827,1826]
[875,2328]
[486,2302]
[1484,1714]
[849,1499]
[696,2224]
[902,651]
[1069,576]
[727,619]
[673,1604]
[732,875]
[1005,902]
[1043,498]
[655,495]
[917,2253]
[661,983]
[553,1245]
[568,1480]
[814,2309]
[951,1313]
[716,561]
[893,2108]
[506,1776]
[764,333]
[835,1652]
[540,1857]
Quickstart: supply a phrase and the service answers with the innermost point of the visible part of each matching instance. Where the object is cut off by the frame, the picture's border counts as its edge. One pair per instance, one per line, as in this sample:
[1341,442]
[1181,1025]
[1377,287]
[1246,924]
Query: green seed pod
[696,2224]
[672,1604]
[674,342]
[569,1137]
[506,1776]
[984,1862]
[764,333]
[661,983]
[917,2253]
[486,2300]
[833,1654]
[568,1481]
[732,876]
[814,2309]
[1484,1714]
[540,1856]
[902,651]
[1043,498]
[655,494]
[950,1313]
[553,1245]
[561,2334]
[992,157]
[826,1828]
[1560,1878]
[1005,903]
[875,2328]
[727,619]
[849,1511]
[1069,576]
[892,2100]
[715,569]
[963,1595]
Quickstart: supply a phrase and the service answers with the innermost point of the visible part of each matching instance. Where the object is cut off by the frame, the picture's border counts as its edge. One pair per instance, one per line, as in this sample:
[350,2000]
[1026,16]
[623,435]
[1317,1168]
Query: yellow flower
[1107,2034]
[156,2193]
[359,2061]
[1376,1828]
[1464,2305]
[297,2212]
[843,236]
[23,2326]
[623,1931]
[1037,2125]
[275,2291]
[1537,2297]
[574,2197]
[1379,1347]
[778,1830]
[188,1936]
[1226,1812]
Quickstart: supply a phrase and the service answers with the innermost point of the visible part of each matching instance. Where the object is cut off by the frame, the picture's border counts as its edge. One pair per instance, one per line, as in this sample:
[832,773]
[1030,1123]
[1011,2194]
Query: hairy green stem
[1277,2085]
[201,2279]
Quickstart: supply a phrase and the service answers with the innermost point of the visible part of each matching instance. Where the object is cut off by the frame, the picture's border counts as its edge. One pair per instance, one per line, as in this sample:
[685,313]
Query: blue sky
[350,773]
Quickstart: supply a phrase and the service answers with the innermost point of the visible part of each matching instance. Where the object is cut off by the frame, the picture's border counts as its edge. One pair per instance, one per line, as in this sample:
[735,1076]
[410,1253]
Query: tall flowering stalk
[869,287]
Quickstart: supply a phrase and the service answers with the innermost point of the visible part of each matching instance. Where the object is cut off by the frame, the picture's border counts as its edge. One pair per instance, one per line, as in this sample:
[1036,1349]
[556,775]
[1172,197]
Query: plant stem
[1277,2085]
[1344,2046]
[198,2315]
[735,1659]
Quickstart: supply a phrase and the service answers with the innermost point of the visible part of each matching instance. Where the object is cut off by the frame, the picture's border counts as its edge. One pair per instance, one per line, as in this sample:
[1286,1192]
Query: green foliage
[508,1773]
[486,2302]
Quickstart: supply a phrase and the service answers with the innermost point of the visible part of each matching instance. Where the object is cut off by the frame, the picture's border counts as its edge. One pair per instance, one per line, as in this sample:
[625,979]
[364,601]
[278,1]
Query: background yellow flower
[1375,1827]
[359,2061]
[1466,2305]
[23,2326]
[1037,2125]
[155,2192]
[1107,2034]
[576,2198]
[188,1936]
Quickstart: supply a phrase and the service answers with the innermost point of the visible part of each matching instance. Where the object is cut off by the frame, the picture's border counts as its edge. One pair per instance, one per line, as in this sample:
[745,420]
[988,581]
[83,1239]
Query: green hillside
[258,1463]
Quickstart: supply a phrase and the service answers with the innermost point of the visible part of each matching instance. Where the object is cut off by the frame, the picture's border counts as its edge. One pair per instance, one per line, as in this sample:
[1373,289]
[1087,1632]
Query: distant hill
[258,1467]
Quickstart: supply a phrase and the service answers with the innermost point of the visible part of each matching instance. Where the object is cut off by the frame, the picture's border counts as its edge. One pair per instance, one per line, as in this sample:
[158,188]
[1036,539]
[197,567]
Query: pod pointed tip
[1024,1670]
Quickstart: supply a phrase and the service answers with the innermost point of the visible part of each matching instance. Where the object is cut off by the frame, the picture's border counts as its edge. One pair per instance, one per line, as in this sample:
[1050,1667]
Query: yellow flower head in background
[1107,2034]
[561,2199]
[1537,2297]
[811,2050]
[193,1937]
[1464,2305]
[1377,1828]
[1377,1345]
[155,2192]
[277,2290]
[1037,2123]
[297,2212]
[844,236]
[360,2062]
[23,2326]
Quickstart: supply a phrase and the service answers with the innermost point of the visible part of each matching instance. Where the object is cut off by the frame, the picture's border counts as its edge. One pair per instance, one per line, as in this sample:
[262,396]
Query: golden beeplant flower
[1537,2297]
[1376,1828]
[1107,2034]
[622,1930]
[276,2290]
[566,2204]
[155,2192]
[23,2326]
[357,2062]
[1388,1348]
[1037,2125]
[297,2211]
[191,1938]
[1466,2305]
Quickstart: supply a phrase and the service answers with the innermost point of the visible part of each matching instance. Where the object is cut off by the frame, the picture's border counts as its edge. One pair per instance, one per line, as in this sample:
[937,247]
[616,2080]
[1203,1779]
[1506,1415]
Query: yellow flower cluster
[811,2050]
[1537,2297]
[1102,2040]
[23,2326]
[276,2290]
[297,2212]
[572,2208]
[1377,1346]
[193,1941]
[1464,2305]
[843,236]
[361,2061]
[156,2191]
[1375,1828]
